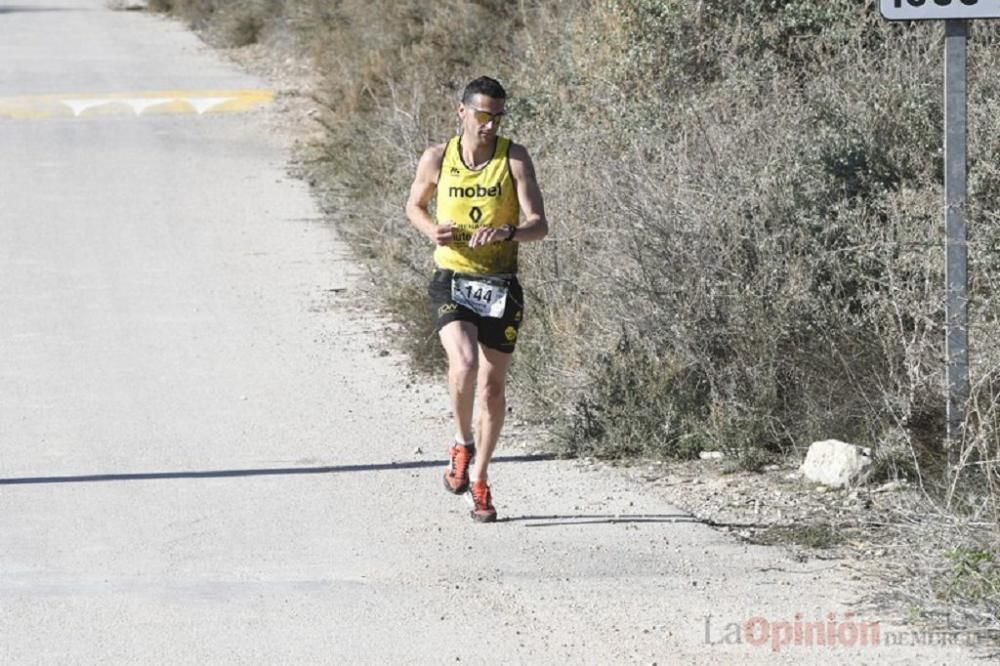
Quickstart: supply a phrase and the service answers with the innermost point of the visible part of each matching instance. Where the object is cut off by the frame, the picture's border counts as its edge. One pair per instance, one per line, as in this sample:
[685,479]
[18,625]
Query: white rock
[711,455]
[834,463]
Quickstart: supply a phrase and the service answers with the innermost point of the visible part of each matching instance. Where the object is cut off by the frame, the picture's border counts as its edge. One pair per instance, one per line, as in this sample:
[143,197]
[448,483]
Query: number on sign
[940,3]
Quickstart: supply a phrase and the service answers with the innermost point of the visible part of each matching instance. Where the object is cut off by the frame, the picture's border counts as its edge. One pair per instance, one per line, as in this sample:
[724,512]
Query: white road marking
[80,105]
[203,104]
[141,104]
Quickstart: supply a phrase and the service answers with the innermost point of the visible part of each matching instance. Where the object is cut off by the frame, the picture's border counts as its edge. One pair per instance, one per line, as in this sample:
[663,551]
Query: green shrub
[633,407]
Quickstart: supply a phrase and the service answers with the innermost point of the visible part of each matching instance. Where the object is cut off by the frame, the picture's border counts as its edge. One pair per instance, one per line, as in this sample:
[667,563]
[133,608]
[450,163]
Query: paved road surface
[198,435]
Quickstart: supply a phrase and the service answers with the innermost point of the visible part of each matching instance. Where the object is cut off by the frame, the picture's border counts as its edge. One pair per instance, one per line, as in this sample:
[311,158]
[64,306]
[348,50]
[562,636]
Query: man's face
[482,116]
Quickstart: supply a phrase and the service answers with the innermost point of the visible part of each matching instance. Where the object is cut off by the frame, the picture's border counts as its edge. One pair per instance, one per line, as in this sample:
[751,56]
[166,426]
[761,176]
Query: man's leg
[459,341]
[492,386]
[492,383]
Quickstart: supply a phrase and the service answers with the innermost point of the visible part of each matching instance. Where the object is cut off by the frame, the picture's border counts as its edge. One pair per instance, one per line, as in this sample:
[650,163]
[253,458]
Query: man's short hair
[484,85]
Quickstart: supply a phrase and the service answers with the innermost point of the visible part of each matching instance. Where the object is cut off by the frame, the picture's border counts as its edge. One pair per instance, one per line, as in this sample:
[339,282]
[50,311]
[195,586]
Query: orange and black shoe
[456,479]
[482,503]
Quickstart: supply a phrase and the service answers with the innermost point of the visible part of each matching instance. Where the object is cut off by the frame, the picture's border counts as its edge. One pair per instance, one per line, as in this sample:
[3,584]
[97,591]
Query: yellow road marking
[134,104]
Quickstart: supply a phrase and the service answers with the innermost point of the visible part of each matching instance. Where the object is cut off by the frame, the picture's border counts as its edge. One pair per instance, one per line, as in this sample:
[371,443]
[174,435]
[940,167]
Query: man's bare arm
[421,193]
[535,226]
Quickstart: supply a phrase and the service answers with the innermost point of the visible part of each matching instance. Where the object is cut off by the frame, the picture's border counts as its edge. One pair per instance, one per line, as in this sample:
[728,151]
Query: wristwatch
[511,230]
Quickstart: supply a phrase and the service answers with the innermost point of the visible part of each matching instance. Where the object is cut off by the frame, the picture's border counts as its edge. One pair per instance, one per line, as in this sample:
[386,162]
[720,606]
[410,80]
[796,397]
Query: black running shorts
[498,333]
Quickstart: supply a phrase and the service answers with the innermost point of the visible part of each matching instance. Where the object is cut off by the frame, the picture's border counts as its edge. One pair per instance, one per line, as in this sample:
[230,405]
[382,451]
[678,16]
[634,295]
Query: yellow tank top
[472,199]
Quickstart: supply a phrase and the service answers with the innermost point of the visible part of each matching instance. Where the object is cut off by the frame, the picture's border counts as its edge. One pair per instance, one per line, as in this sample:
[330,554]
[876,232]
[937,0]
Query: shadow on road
[18,9]
[599,519]
[277,471]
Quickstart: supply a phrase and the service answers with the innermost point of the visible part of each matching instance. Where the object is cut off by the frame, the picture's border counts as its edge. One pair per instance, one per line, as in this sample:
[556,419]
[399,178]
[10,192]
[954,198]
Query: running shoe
[482,500]
[456,479]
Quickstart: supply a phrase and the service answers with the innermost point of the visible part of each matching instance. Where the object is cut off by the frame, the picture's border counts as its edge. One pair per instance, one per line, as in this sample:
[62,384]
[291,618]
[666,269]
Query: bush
[745,207]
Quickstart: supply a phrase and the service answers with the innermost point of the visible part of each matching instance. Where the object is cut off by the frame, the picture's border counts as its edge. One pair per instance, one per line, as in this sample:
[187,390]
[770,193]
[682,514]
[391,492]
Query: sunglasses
[483,117]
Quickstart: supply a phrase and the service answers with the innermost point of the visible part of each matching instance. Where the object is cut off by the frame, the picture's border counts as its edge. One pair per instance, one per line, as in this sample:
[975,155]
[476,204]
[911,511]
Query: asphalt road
[206,457]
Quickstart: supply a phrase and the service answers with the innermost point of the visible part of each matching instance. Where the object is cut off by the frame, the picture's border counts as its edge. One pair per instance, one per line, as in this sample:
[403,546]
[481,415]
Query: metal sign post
[955,14]
[956,231]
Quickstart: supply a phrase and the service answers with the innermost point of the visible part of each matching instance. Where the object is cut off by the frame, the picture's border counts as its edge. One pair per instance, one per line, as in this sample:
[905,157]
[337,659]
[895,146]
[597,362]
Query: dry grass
[745,202]
[945,570]
[226,22]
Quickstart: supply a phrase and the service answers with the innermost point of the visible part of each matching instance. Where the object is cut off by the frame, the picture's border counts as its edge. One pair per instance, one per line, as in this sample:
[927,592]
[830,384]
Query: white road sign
[915,10]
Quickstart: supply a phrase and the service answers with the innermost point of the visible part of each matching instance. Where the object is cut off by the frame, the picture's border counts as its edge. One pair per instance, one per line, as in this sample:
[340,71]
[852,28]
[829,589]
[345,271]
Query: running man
[487,202]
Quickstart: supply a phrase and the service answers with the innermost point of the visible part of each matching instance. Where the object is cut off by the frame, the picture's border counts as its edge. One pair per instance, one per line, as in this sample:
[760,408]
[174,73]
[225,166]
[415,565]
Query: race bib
[487,298]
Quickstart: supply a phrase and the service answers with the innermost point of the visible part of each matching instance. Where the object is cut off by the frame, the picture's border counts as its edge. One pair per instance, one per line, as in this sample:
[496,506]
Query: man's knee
[463,368]
[459,340]
[493,394]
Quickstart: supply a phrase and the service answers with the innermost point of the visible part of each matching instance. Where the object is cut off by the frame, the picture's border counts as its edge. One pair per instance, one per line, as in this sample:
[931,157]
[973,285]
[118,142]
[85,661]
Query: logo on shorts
[510,334]
[447,308]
